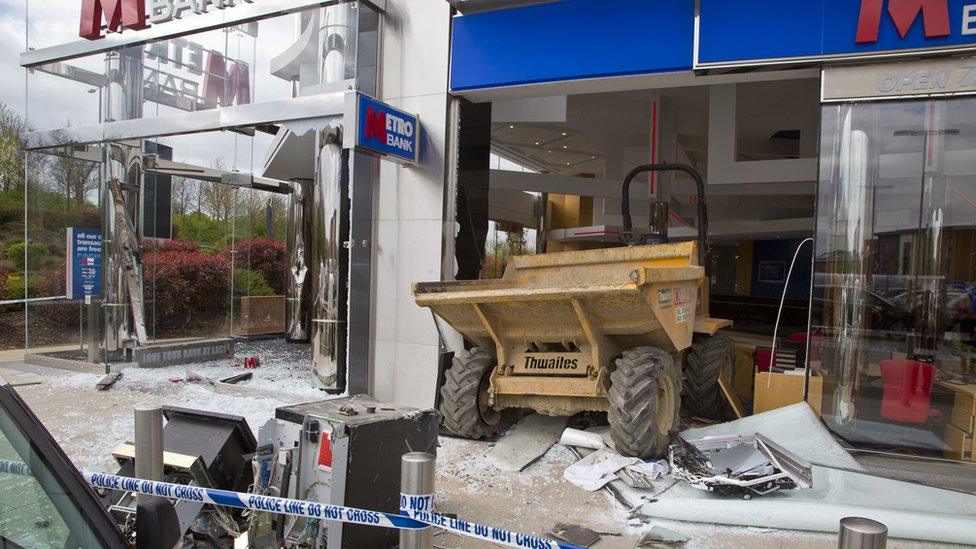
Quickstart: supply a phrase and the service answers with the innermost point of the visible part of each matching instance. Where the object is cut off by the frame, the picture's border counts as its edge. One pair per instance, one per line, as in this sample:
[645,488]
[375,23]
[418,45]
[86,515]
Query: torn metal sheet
[910,511]
[796,428]
[527,441]
[737,465]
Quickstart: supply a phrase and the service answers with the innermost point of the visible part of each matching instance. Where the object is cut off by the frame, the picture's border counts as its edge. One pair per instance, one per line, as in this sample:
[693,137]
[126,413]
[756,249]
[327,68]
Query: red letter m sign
[935,15]
[118,15]
[375,125]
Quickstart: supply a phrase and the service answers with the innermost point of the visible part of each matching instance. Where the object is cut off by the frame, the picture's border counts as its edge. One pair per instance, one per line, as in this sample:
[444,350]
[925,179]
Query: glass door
[894,301]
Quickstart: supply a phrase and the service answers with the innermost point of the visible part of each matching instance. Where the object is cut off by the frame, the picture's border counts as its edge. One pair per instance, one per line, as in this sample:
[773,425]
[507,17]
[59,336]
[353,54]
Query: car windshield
[35,509]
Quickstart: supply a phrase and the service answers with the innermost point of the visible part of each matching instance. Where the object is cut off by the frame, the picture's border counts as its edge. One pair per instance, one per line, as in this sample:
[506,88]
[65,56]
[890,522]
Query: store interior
[889,361]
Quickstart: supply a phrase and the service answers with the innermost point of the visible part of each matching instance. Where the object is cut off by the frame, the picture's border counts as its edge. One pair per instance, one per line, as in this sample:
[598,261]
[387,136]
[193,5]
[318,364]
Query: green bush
[15,286]
[38,256]
[250,283]
[197,227]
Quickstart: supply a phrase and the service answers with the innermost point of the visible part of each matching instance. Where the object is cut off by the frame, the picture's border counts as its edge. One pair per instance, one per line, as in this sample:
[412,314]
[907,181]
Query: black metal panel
[221,440]
[157,202]
[473,170]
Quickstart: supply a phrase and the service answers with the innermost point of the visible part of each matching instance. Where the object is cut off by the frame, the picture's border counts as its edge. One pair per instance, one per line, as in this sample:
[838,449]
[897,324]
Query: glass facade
[894,296]
[193,241]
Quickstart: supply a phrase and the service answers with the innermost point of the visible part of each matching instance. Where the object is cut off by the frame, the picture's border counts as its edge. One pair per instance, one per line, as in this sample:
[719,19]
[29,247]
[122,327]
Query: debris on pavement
[660,535]
[527,441]
[106,382]
[238,378]
[602,466]
[597,469]
[575,534]
[738,465]
[581,439]
[644,473]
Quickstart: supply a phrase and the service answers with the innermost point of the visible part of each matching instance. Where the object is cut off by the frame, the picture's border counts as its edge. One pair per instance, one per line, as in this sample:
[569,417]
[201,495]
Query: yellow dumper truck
[616,330]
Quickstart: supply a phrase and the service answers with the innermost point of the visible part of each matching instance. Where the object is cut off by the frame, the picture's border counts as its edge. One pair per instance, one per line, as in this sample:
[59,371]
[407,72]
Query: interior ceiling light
[564,134]
[511,126]
[536,143]
[564,146]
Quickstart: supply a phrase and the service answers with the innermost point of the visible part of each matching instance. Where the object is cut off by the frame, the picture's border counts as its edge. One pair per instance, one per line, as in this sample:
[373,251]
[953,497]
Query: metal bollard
[417,479]
[94,330]
[149,444]
[862,533]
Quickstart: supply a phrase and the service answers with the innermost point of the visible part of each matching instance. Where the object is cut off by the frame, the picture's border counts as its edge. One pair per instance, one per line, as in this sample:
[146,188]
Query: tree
[73,178]
[217,200]
[12,157]
[185,195]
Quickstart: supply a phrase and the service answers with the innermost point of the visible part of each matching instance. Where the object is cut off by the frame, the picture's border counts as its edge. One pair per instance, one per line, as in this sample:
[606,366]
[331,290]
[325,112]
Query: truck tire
[644,402]
[464,398]
[709,357]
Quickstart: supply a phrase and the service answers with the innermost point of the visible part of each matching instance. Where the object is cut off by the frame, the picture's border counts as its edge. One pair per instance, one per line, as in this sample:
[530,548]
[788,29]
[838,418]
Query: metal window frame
[240,14]
[61,473]
[280,111]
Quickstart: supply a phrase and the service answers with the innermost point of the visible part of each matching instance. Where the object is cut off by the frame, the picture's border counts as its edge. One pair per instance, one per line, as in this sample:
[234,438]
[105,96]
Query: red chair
[907,391]
[764,358]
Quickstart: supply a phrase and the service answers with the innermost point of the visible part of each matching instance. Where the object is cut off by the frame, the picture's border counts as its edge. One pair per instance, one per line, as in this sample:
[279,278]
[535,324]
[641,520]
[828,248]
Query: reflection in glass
[894,304]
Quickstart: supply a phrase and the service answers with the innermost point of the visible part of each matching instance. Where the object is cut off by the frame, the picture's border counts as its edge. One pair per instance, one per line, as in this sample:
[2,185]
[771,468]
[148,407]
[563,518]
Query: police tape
[421,508]
[416,511]
[255,502]
[14,467]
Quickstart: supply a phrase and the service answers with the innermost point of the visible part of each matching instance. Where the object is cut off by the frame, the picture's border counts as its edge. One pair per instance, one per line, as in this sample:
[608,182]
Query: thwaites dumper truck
[616,330]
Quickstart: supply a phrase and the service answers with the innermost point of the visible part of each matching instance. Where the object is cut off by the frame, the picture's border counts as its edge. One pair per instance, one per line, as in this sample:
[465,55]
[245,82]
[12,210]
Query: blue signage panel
[763,30]
[84,263]
[570,40]
[386,130]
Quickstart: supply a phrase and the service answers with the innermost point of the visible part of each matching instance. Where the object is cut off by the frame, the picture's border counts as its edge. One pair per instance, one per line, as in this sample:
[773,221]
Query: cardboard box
[784,390]
[963,415]
[960,444]
[744,366]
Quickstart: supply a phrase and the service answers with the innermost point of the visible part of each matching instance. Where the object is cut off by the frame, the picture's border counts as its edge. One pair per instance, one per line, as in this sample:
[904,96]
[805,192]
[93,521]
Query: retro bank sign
[385,130]
[771,31]
[139,14]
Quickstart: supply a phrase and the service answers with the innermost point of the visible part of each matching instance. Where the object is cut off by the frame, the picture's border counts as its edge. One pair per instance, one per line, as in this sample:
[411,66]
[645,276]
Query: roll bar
[702,210]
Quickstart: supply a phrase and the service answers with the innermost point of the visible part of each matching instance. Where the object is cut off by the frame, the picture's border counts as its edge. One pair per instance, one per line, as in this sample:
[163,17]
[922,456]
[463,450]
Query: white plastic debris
[581,439]
[597,469]
[602,466]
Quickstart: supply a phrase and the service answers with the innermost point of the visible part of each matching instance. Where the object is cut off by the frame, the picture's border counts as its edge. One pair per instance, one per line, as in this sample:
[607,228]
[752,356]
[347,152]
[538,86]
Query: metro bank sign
[934,14]
[758,32]
[386,130]
[132,14]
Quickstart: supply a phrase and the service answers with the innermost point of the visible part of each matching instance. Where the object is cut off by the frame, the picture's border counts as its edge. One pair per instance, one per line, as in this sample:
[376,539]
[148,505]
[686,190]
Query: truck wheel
[709,357]
[464,398]
[644,402]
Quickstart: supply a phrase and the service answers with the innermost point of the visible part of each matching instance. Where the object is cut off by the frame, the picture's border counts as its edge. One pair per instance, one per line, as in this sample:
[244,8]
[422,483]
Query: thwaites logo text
[554,363]
[904,13]
[390,129]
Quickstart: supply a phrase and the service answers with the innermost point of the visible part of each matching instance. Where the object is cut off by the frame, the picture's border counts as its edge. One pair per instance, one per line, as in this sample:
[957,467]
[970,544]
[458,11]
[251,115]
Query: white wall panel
[404,341]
